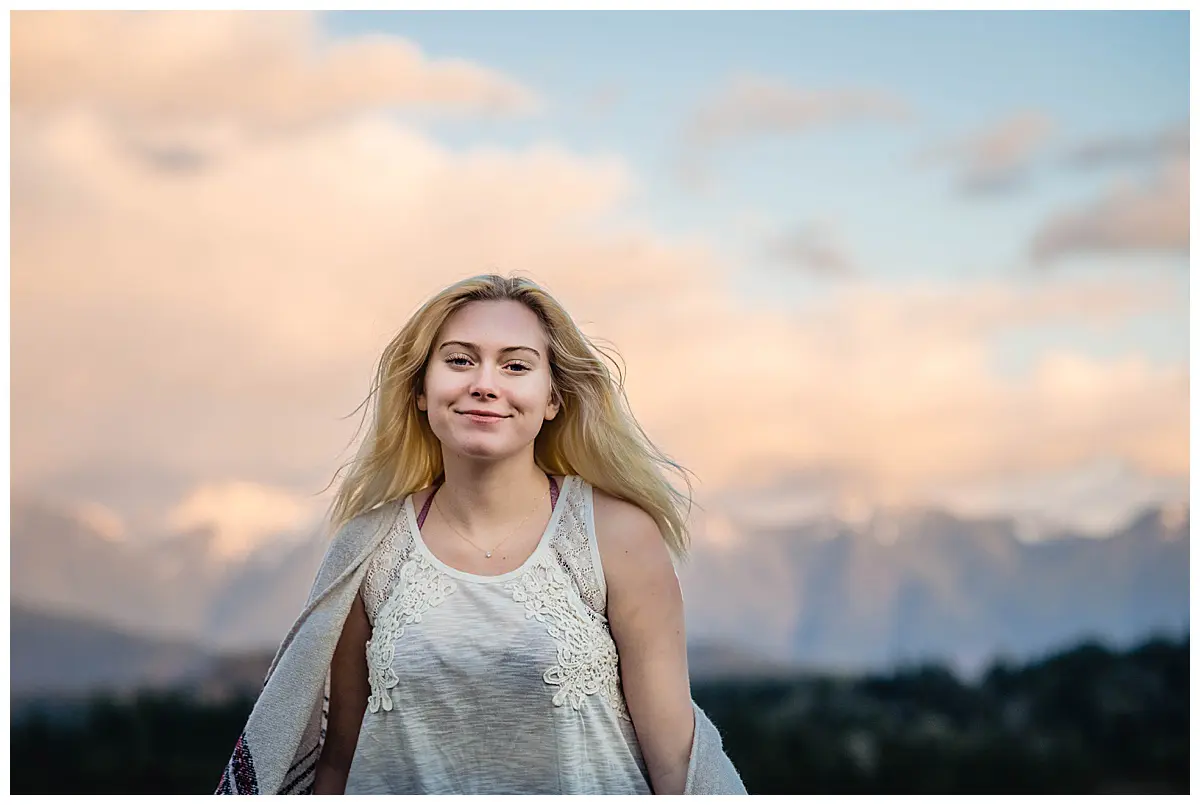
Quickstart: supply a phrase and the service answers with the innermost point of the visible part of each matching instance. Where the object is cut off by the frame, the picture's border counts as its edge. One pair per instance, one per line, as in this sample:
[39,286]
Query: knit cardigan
[278,749]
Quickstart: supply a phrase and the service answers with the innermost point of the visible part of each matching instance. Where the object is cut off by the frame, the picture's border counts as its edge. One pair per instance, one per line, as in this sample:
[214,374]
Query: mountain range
[918,585]
[903,586]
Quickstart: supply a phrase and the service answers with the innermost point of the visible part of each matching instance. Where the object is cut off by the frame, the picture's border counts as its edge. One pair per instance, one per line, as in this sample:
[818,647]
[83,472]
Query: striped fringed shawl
[278,749]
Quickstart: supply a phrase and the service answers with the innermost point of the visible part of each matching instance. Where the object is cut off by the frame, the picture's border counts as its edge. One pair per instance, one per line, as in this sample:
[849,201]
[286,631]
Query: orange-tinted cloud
[241,514]
[255,69]
[894,392]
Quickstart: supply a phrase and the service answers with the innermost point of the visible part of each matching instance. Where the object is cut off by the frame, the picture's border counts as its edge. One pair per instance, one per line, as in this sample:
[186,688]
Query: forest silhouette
[1087,720]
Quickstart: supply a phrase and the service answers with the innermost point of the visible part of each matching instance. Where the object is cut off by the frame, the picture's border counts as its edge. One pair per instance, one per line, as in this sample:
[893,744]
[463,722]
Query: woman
[498,611]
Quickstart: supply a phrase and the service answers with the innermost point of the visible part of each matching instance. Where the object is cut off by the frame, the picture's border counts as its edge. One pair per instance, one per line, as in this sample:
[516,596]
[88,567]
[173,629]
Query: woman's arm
[348,692]
[645,613]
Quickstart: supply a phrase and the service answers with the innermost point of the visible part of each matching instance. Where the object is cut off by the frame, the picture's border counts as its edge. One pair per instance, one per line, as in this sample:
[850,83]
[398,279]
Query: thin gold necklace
[488,554]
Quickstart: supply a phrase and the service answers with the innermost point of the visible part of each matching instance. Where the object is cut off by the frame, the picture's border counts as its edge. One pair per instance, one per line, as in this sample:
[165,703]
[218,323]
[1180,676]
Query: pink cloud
[816,249]
[1154,216]
[254,69]
[1101,152]
[748,105]
[996,158]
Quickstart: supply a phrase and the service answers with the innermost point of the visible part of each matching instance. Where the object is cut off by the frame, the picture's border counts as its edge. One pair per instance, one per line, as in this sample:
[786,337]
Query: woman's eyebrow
[475,347]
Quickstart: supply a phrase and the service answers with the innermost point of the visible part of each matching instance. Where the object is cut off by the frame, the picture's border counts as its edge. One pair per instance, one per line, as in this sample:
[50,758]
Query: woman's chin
[480,448]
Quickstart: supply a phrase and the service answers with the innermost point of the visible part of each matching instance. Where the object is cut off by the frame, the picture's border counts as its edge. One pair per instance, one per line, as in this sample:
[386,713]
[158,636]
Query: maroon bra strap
[429,500]
[425,508]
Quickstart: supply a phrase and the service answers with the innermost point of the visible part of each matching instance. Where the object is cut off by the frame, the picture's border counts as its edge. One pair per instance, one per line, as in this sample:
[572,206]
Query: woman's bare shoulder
[625,533]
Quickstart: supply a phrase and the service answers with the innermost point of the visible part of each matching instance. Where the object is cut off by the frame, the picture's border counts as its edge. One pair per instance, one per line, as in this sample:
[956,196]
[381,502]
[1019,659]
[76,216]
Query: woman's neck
[482,500]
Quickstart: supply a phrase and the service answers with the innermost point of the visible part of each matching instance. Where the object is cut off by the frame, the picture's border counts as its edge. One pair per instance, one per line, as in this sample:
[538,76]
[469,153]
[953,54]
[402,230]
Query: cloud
[600,102]
[815,249]
[285,267]
[169,329]
[995,160]
[750,105]
[693,172]
[260,70]
[102,520]
[890,395]
[1169,143]
[241,515]
[1151,216]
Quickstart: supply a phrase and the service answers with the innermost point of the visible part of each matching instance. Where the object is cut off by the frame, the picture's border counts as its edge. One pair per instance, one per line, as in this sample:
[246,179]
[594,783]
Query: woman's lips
[482,420]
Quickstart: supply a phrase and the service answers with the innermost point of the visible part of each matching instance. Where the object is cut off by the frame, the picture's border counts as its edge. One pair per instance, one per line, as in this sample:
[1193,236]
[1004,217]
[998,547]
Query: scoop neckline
[543,542]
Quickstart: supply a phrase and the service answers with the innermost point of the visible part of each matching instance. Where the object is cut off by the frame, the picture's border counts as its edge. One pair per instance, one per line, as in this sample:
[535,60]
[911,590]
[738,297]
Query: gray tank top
[502,684]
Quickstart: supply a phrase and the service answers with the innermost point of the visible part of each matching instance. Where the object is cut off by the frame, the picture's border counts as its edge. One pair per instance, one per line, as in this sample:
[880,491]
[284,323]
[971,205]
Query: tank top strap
[429,500]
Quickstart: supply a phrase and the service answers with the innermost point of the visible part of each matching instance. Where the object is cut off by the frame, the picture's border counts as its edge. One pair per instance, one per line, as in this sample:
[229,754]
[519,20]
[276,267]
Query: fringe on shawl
[240,776]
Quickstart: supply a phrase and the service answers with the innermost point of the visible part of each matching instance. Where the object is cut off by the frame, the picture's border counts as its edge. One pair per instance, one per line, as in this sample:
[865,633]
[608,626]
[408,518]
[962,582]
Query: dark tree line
[1084,721]
[1088,720]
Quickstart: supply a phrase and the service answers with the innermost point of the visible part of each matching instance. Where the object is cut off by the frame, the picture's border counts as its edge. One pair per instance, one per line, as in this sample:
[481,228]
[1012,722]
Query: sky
[851,260]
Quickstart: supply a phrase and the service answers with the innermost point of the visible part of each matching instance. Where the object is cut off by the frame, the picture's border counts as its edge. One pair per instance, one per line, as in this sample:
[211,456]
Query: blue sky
[1094,75]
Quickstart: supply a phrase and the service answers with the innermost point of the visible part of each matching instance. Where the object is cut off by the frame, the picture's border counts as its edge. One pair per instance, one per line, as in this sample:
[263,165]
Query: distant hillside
[55,656]
[65,654]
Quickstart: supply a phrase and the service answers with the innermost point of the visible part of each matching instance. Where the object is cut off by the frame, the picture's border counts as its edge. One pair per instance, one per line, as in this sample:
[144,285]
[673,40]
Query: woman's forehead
[494,325]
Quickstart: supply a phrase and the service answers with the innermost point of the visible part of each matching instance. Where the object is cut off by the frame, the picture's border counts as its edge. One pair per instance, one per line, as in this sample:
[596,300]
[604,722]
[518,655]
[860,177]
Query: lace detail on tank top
[384,569]
[574,553]
[559,590]
[587,656]
[400,585]
[420,587]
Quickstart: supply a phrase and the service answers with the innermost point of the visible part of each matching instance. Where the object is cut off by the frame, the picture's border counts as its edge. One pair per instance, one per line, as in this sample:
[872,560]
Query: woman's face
[491,357]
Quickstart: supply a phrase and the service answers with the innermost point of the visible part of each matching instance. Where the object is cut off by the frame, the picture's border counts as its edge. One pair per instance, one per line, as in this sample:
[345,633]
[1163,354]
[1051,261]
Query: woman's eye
[453,360]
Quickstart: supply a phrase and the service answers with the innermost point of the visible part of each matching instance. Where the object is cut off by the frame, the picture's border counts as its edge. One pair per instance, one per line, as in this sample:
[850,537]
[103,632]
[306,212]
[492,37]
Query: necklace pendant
[488,555]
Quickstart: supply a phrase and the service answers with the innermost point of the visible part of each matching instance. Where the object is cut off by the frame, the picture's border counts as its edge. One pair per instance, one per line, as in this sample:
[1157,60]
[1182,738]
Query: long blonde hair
[594,436]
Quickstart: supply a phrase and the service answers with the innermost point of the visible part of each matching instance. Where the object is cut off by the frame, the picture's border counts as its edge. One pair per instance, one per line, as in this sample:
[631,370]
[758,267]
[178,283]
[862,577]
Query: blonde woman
[498,612]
